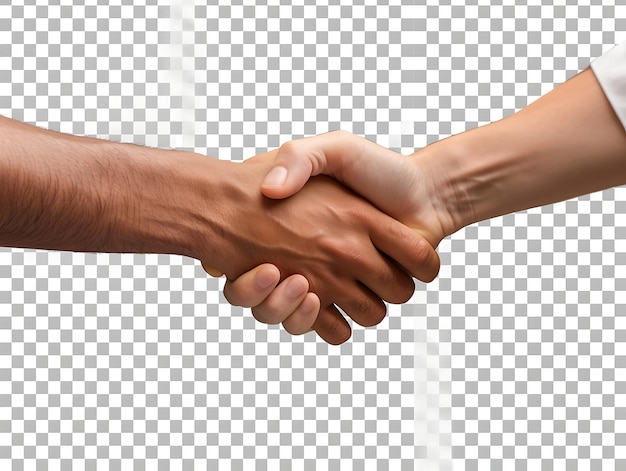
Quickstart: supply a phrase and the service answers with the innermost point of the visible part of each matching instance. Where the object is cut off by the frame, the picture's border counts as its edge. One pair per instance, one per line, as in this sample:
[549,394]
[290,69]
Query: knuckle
[306,150]
[333,330]
[336,334]
[231,295]
[424,261]
[340,133]
[422,251]
[290,330]
[289,148]
[395,285]
[266,315]
[294,329]
[428,258]
[344,250]
[403,290]
[365,310]
[372,313]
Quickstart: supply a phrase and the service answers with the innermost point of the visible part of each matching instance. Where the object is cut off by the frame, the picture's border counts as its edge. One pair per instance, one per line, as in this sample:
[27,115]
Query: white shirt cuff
[610,70]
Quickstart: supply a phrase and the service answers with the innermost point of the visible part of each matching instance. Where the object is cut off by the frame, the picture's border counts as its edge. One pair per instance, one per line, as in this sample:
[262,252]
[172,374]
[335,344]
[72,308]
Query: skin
[566,144]
[65,192]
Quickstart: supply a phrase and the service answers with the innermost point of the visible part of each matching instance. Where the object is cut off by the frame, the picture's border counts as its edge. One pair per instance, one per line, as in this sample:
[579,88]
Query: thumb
[291,170]
[338,154]
[214,272]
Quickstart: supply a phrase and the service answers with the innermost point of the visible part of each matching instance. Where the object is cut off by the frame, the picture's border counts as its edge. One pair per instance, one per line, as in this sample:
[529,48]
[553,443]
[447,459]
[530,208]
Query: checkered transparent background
[511,359]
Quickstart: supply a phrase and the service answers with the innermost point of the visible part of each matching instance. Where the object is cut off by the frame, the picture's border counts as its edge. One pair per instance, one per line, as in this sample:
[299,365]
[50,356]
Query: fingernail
[295,289]
[276,177]
[265,279]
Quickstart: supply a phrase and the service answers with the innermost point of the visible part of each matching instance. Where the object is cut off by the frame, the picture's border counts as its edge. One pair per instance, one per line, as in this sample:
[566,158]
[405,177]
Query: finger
[302,319]
[292,169]
[331,326]
[251,288]
[361,304]
[385,278]
[282,301]
[296,161]
[360,164]
[406,247]
[214,272]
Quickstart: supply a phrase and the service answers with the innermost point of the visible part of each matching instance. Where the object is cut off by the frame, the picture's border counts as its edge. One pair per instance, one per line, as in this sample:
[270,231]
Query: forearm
[567,143]
[65,192]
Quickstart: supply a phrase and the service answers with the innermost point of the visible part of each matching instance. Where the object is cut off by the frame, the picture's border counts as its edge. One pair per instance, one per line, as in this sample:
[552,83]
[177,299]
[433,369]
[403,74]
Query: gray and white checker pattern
[511,359]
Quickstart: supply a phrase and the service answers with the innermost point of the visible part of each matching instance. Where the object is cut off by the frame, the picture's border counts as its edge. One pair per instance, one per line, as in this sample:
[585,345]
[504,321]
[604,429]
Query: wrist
[173,203]
[473,174]
[554,149]
[446,207]
[64,192]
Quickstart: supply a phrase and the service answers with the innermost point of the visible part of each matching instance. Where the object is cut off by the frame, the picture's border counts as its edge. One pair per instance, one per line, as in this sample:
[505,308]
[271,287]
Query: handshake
[327,222]
[359,237]
[351,241]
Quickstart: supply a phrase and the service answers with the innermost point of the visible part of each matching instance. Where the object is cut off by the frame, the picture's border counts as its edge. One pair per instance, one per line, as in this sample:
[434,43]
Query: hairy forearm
[65,192]
[567,143]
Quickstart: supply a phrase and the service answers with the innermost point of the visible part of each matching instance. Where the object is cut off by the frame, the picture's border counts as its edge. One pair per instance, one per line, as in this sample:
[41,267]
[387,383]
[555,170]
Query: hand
[394,183]
[92,195]
[567,143]
[290,303]
[338,242]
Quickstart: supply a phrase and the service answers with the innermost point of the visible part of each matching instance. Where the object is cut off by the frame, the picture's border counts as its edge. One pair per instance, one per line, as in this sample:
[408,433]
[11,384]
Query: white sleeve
[610,70]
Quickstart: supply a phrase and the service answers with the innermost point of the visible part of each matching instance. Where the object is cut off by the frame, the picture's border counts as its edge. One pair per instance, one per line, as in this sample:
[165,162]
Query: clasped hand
[323,247]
